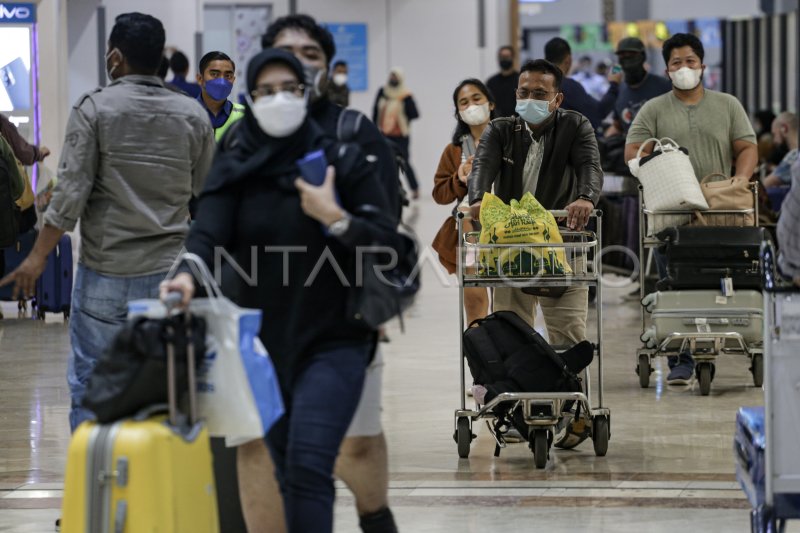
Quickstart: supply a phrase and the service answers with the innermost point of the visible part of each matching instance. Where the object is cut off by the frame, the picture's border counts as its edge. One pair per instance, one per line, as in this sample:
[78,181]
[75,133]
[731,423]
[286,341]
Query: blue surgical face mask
[534,111]
[218,88]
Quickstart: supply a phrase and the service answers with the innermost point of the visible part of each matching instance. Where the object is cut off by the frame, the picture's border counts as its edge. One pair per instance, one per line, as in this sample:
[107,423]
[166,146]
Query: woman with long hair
[474,107]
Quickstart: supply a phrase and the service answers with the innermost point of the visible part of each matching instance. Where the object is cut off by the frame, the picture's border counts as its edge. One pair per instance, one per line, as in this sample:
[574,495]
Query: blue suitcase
[748,446]
[14,255]
[54,287]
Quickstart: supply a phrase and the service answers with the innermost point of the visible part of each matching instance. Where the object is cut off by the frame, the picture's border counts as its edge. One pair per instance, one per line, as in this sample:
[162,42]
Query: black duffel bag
[132,374]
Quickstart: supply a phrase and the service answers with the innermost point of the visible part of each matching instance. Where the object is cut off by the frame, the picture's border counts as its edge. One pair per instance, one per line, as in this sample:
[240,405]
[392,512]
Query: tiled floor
[669,466]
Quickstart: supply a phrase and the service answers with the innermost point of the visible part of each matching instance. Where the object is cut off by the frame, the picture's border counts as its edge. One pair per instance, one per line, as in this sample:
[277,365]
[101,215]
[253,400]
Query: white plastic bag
[238,392]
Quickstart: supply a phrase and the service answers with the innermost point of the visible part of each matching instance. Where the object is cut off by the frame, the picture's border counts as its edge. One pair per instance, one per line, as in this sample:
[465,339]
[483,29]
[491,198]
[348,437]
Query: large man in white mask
[713,126]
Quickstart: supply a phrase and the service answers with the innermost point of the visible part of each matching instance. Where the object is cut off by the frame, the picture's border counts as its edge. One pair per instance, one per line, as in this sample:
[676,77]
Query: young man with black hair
[216,75]
[179,64]
[713,126]
[558,52]
[338,91]
[134,153]
[362,462]
[551,153]
[504,83]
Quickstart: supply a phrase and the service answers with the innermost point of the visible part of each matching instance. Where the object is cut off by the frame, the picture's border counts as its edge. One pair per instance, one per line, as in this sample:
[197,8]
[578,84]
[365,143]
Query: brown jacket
[27,153]
[448,189]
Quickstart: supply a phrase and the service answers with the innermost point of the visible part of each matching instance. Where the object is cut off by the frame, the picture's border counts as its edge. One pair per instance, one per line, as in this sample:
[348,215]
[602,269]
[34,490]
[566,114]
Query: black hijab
[246,150]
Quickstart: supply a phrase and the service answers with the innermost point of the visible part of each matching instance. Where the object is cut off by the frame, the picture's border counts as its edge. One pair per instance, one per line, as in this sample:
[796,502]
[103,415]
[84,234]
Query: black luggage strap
[347,125]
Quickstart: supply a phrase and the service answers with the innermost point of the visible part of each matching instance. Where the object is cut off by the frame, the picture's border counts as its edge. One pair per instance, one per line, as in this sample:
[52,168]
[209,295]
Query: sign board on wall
[17,13]
[351,47]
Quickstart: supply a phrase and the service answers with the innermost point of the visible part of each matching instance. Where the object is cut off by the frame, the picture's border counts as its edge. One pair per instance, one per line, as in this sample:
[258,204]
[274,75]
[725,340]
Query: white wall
[694,9]
[53,75]
[591,11]
[435,42]
[561,12]
[82,46]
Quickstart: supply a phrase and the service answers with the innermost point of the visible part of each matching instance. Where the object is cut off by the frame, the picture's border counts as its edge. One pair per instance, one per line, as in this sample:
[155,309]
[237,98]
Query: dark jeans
[402,144]
[304,443]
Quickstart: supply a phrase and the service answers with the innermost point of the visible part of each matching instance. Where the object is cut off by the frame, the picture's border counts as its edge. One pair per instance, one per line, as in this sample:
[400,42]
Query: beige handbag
[727,194]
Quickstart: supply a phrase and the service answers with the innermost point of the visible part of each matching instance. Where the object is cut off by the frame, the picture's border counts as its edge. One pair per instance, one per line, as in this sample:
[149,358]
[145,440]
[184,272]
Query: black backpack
[505,354]
[9,212]
[347,127]
[132,373]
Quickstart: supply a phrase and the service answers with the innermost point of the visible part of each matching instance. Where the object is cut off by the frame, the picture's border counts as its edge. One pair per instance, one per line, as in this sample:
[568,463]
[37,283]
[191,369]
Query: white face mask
[279,115]
[340,79]
[475,115]
[686,78]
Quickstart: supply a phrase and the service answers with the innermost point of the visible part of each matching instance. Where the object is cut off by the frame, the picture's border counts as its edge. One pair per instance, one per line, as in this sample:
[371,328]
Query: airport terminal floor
[670,462]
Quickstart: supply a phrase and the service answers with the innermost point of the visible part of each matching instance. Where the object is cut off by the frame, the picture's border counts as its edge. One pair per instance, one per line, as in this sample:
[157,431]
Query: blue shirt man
[179,64]
[639,85]
[558,52]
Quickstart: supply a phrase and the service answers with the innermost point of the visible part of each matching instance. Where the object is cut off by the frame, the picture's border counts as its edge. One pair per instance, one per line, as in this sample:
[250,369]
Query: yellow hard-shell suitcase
[151,473]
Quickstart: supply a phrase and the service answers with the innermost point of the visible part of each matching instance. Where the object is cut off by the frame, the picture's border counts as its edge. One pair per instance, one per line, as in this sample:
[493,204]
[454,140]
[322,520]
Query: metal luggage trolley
[778,492]
[705,347]
[541,411]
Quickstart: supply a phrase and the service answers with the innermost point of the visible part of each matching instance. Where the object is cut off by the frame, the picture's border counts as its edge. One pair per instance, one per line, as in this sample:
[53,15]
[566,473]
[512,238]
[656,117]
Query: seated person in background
[788,223]
[713,126]
[784,132]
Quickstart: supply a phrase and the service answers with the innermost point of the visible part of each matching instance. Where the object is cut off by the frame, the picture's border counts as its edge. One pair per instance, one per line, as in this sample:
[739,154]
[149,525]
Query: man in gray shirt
[133,155]
[713,126]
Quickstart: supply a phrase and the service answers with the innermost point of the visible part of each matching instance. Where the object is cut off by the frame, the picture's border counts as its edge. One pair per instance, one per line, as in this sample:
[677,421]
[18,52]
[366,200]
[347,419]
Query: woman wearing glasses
[474,108]
[301,240]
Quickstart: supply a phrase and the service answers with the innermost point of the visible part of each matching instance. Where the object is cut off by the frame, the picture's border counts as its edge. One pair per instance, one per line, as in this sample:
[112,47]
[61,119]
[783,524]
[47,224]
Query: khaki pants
[565,316]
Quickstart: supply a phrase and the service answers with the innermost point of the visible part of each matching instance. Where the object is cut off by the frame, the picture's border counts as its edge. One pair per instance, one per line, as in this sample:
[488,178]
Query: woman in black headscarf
[304,238]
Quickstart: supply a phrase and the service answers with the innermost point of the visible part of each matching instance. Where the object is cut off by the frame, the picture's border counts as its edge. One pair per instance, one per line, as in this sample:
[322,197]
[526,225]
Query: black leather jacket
[570,164]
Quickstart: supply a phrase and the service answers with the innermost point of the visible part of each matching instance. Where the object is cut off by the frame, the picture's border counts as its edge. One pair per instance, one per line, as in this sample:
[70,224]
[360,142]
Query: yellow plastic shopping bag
[524,221]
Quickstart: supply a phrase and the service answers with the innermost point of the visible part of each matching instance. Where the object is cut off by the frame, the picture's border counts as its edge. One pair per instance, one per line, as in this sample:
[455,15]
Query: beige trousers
[565,316]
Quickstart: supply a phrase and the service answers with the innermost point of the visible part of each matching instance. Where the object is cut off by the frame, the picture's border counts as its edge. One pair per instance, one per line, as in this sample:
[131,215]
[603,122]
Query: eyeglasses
[525,94]
[268,90]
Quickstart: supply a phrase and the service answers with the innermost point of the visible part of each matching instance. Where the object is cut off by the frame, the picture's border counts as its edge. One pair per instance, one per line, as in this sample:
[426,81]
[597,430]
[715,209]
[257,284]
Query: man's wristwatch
[584,197]
[340,227]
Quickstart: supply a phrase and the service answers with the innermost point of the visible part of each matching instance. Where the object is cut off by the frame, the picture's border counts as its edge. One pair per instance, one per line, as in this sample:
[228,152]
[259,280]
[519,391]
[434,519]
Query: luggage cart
[540,411]
[772,480]
[705,347]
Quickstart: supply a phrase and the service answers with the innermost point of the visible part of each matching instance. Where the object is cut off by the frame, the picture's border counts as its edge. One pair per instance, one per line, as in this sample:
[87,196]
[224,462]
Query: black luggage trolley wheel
[757,369]
[644,370]
[541,448]
[601,432]
[704,376]
[463,437]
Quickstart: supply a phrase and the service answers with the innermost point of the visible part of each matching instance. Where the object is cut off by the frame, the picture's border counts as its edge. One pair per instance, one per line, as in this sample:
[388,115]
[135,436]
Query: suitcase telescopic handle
[171,301]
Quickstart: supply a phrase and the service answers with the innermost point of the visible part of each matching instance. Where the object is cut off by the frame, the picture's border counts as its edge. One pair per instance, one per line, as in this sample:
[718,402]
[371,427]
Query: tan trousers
[565,316]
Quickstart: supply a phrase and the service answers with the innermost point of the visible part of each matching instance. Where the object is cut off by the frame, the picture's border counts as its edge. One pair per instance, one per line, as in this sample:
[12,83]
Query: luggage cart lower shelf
[541,412]
[704,348]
